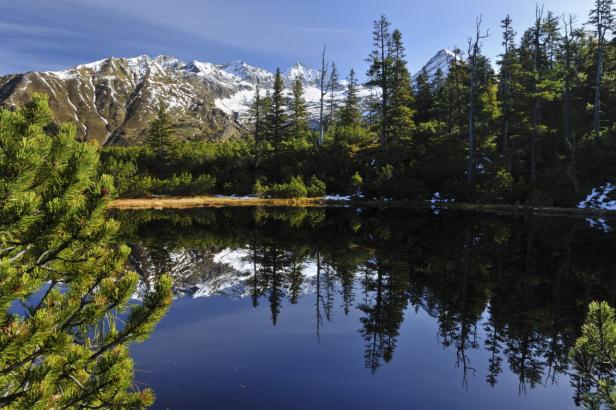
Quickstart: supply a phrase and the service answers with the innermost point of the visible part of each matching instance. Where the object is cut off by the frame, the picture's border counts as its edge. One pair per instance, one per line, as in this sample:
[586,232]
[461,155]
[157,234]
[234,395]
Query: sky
[43,35]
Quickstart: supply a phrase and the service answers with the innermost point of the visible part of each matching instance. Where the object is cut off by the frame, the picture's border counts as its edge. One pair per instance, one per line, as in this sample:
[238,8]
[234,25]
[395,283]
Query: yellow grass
[213,202]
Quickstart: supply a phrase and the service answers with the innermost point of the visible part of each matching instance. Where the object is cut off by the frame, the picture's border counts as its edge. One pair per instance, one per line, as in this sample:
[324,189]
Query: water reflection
[516,288]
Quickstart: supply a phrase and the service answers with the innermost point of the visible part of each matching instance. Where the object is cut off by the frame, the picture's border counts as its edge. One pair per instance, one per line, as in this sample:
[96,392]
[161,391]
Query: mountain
[113,100]
[441,60]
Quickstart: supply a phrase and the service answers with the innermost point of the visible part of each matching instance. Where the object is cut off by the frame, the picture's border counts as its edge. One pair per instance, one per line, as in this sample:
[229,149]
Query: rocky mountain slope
[113,100]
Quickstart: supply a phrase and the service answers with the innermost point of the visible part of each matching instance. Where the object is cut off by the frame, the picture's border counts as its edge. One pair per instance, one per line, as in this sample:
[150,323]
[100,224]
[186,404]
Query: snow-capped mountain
[441,60]
[114,99]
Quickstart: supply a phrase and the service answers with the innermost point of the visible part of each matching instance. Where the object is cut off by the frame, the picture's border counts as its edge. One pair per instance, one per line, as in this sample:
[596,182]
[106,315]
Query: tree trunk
[322,100]
[597,113]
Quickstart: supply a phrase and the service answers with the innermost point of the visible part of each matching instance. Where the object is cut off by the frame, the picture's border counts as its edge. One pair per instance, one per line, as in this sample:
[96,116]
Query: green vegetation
[65,322]
[541,130]
[594,358]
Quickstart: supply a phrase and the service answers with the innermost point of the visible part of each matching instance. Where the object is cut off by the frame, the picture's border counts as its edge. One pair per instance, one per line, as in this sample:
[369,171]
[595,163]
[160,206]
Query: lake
[337,308]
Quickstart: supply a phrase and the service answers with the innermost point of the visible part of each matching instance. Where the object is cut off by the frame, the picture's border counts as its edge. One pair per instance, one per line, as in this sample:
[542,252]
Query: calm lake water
[367,309]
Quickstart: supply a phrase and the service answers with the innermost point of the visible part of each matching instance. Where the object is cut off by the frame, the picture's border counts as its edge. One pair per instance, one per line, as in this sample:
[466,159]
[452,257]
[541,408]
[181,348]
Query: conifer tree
[323,83]
[380,71]
[400,121]
[68,346]
[506,67]
[277,116]
[438,109]
[258,113]
[333,86]
[298,112]
[350,113]
[423,97]
[602,18]
[159,137]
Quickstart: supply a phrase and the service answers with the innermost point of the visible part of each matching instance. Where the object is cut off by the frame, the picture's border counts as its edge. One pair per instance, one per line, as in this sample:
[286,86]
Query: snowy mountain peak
[309,76]
[249,73]
[169,62]
[441,60]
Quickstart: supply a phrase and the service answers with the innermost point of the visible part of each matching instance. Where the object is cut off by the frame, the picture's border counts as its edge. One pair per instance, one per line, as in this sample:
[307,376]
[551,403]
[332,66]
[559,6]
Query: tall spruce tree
[350,113]
[68,346]
[400,115]
[297,111]
[380,71]
[277,118]
[333,87]
[323,84]
[602,18]
[159,137]
[424,98]
[506,63]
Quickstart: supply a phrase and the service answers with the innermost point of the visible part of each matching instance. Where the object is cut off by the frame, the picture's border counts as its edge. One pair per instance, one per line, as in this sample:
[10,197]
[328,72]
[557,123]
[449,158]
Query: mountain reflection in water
[502,298]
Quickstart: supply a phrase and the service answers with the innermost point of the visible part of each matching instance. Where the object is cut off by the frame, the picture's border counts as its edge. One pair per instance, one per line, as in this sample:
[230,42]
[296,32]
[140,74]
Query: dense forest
[537,127]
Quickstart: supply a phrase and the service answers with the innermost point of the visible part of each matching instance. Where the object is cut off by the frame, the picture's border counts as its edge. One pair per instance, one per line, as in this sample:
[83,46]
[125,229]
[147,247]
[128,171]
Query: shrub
[295,188]
[316,188]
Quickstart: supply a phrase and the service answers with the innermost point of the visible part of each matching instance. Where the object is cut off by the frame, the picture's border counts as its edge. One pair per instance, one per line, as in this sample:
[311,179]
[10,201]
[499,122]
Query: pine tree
[159,137]
[323,84]
[333,86]
[602,18]
[258,114]
[594,357]
[350,113]
[380,71]
[423,97]
[298,112]
[58,255]
[400,121]
[506,67]
[277,116]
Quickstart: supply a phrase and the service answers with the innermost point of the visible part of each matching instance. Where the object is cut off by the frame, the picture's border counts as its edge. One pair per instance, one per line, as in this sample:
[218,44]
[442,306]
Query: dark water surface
[367,309]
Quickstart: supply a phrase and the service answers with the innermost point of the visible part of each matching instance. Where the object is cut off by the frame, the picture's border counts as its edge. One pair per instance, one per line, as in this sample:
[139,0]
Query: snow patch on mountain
[441,60]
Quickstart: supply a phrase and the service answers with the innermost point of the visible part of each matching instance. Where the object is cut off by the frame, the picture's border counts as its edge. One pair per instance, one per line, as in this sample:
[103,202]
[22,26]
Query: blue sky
[55,34]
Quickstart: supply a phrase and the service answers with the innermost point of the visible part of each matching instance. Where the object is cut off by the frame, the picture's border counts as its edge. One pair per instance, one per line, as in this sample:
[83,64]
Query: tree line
[538,128]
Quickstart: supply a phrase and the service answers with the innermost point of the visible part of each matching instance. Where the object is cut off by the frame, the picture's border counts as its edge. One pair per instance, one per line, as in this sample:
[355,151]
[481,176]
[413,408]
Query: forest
[535,127]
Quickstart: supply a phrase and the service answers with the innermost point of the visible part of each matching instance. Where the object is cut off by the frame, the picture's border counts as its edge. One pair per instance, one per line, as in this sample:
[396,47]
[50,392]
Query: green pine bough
[594,359]
[65,321]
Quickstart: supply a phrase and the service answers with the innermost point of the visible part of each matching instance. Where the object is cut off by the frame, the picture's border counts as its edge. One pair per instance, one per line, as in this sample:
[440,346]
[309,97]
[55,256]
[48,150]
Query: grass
[220,202]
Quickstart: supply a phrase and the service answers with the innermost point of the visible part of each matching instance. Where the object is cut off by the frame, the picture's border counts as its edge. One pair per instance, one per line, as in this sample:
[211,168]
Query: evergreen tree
[350,113]
[323,84]
[423,97]
[258,114]
[400,121]
[380,71]
[602,18]
[59,258]
[505,90]
[297,111]
[277,116]
[159,137]
[594,358]
[333,86]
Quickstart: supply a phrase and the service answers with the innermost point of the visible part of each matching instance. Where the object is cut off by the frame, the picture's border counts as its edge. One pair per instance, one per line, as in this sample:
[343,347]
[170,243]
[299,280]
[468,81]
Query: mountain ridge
[112,100]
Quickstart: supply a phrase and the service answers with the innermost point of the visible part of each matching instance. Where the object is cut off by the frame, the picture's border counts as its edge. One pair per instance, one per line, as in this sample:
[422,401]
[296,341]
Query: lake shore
[219,202]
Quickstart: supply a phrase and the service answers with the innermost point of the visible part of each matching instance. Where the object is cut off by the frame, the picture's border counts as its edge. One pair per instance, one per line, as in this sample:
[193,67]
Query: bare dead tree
[474,49]
[568,134]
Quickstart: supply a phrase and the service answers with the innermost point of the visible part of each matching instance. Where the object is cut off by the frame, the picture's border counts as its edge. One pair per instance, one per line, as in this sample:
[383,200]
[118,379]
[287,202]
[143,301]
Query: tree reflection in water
[515,287]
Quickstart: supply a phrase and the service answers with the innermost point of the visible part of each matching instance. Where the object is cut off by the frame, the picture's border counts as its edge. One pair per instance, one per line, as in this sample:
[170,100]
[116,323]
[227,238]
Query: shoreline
[221,202]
